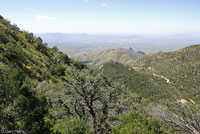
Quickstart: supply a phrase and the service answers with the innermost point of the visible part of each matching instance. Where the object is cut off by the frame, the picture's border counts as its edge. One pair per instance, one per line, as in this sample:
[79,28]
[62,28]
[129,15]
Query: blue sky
[103,16]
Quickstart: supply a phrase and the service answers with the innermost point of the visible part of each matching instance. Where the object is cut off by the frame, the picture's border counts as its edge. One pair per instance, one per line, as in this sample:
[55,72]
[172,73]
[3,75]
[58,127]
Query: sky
[103,16]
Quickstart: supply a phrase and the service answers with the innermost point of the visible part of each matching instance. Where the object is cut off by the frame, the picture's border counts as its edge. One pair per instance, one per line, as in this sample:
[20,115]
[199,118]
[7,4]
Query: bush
[42,47]
[79,65]
[29,37]
[55,48]
[64,59]
[59,70]
[38,40]
[72,126]
[139,123]
[14,52]
[3,38]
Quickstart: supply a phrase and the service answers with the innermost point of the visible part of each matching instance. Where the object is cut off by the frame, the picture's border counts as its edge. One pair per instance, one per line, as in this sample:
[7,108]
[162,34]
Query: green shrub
[13,52]
[59,70]
[139,123]
[29,37]
[72,126]
[3,38]
[38,40]
[79,65]
[42,47]
[55,48]
[64,58]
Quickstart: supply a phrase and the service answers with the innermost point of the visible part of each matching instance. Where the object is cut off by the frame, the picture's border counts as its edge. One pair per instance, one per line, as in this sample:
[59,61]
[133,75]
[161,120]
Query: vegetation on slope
[182,68]
[149,87]
[159,97]
[139,123]
[43,91]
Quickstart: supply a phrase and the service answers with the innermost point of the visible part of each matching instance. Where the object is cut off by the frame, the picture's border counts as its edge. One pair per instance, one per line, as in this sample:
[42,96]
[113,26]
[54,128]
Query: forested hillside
[148,87]
[158,96]
[180,68]
[42,91]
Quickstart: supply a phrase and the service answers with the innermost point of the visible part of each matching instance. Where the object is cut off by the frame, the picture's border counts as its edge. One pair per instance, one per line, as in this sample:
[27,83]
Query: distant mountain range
[74,44]
[121,55]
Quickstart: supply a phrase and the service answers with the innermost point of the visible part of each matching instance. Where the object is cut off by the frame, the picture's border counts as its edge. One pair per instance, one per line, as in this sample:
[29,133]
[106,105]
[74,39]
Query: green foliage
[38,40]
[147,86]
[180,67]
[10,83]
[30,112]
[40,46]
[29,37]
[3,38]
[20,107]
[72,126]
[139,123]
[92,96]
[14,53]
[64,59]
[55,48]
[79,65]
[59,70]
[84,95]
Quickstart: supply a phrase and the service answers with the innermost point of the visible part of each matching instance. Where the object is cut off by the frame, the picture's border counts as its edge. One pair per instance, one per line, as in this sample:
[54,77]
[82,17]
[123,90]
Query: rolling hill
[121,55]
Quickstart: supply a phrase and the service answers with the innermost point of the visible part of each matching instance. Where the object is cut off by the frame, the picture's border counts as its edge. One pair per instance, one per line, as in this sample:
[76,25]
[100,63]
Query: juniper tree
[93,97]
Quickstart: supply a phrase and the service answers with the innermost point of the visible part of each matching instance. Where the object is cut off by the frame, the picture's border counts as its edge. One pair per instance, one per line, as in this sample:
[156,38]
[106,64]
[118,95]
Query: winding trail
[154,74]
[163,77]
